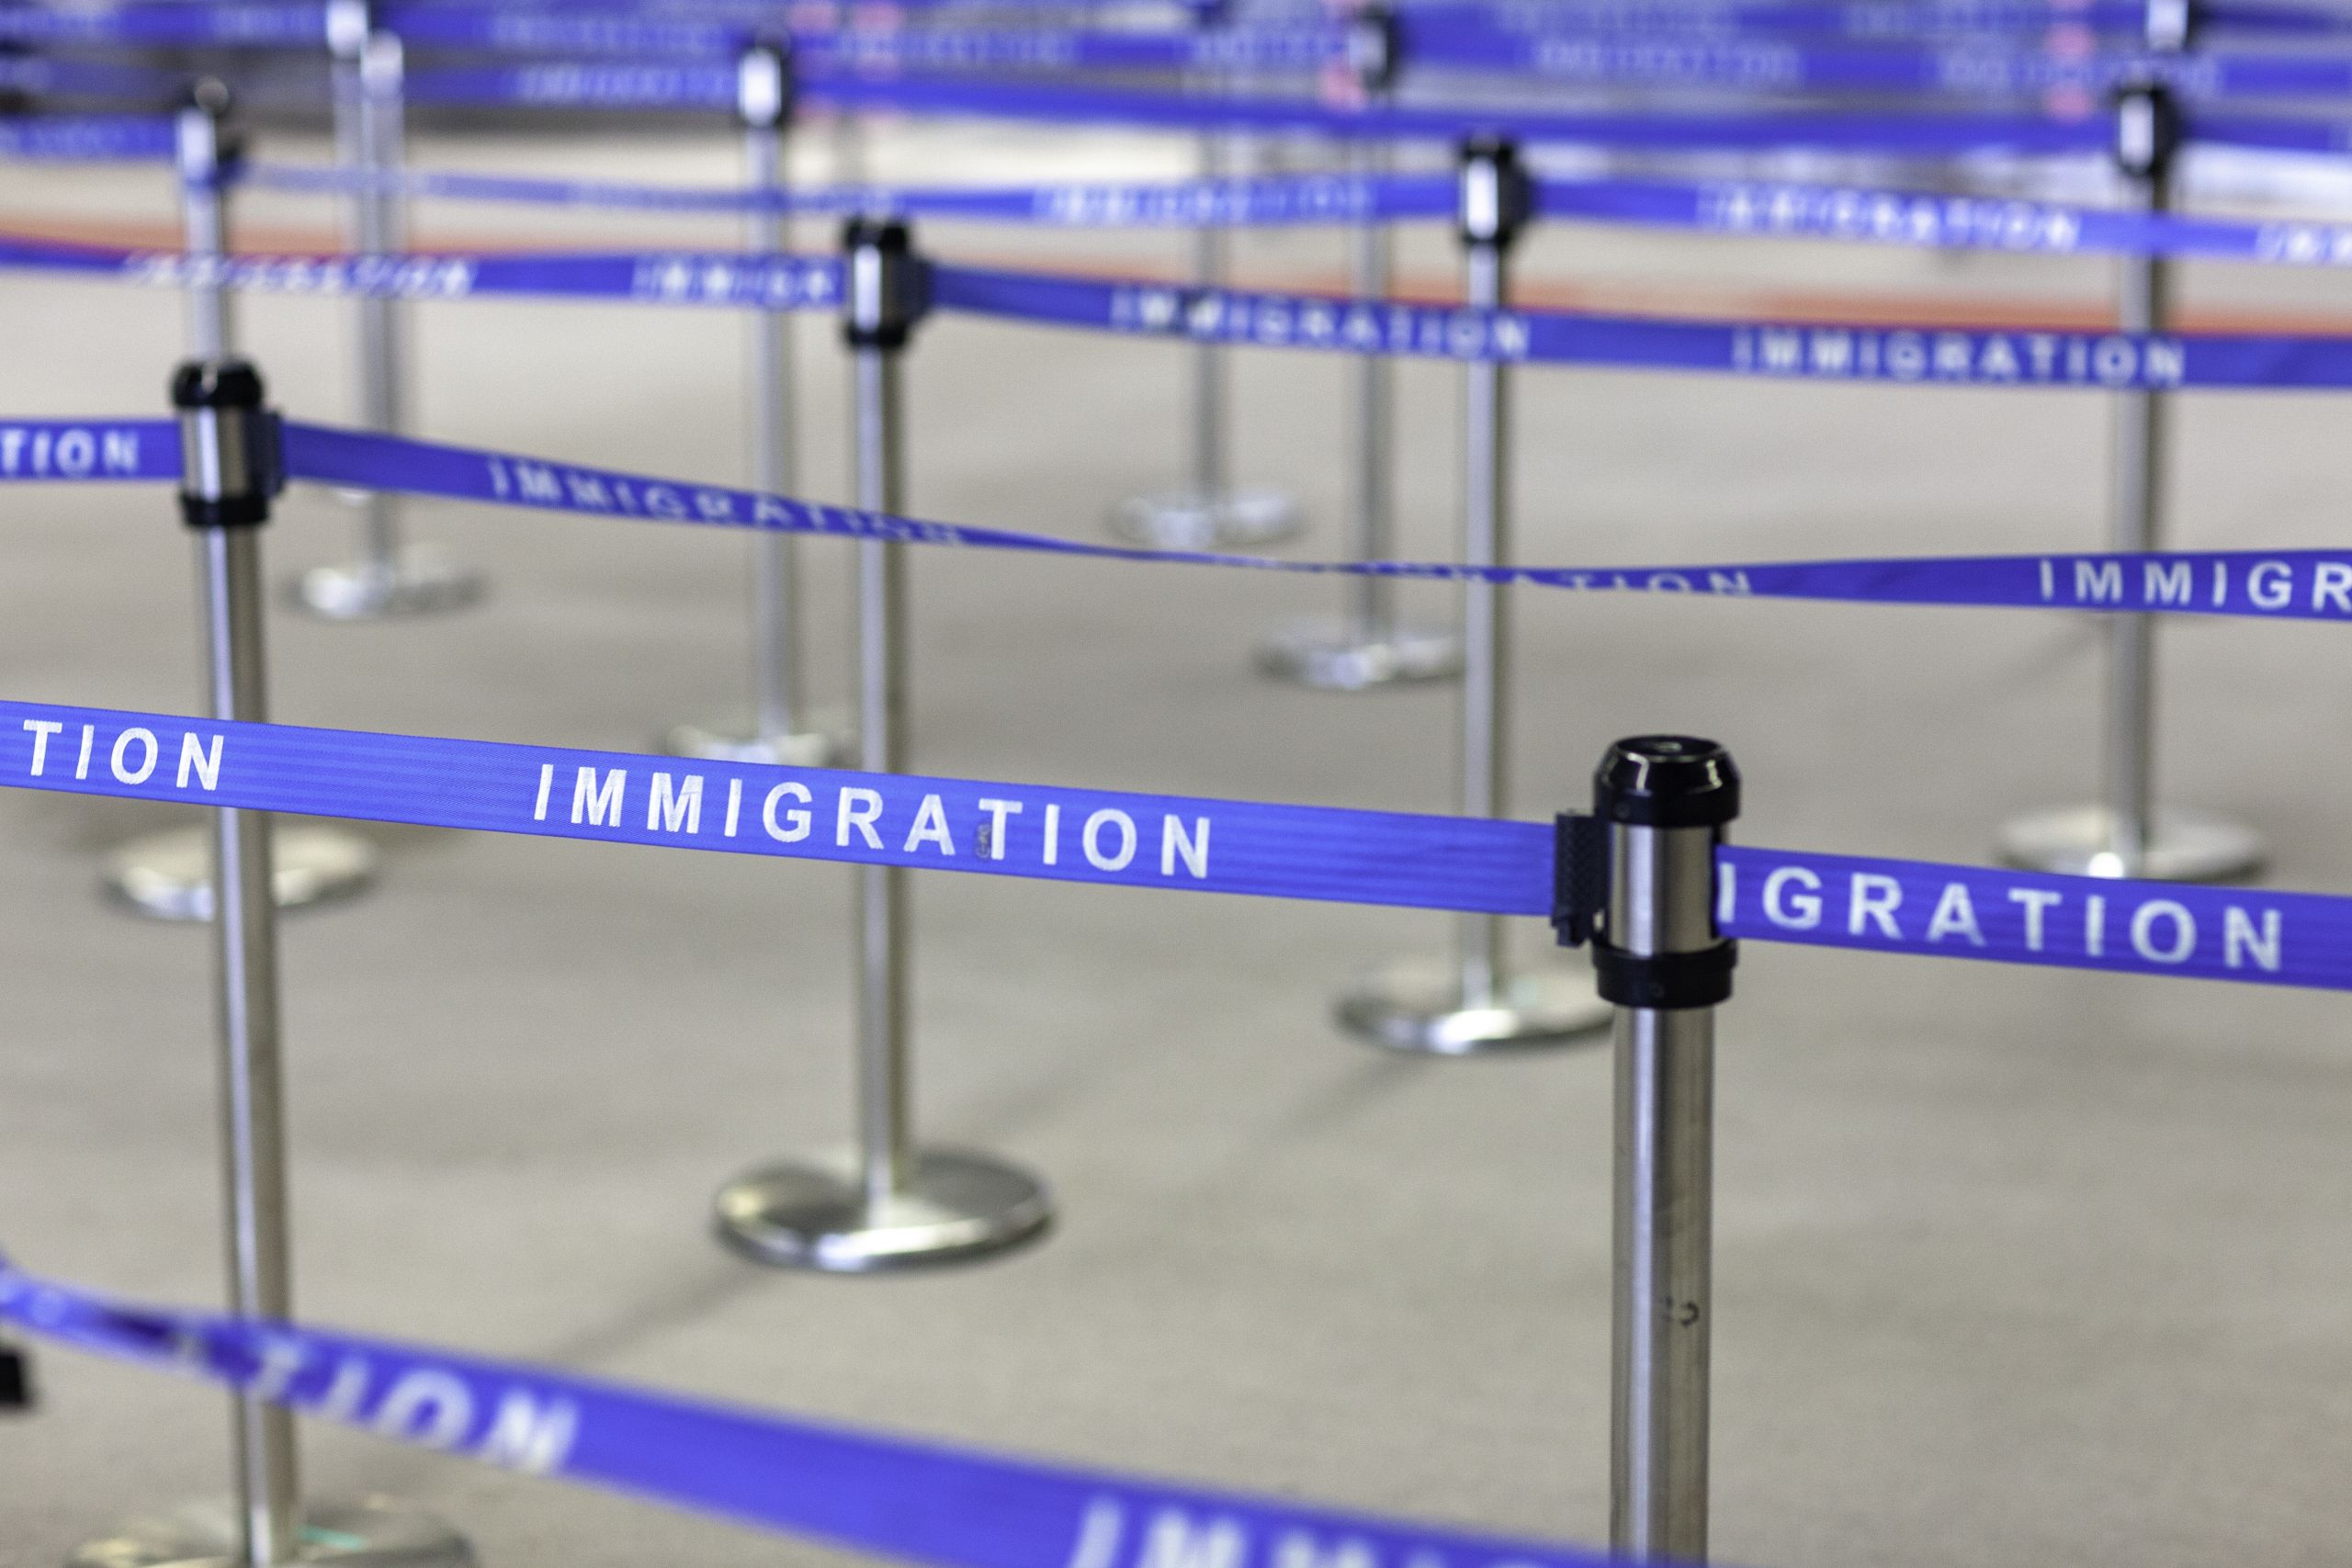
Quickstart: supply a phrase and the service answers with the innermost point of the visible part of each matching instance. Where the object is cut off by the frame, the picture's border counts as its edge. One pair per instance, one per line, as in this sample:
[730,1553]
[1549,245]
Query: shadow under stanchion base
[796,749]
[1420,1008]
[1335,656]
[168,875]
[419,580]
[373,1532]
[1188,520]
[2187,846]
[956,1208]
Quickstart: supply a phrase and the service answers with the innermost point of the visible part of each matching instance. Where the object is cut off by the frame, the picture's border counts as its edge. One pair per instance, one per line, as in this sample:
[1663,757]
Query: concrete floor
[2014,1266]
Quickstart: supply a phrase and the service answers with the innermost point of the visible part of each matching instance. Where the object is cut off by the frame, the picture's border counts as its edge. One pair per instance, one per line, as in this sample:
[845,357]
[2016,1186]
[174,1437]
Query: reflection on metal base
[1420,1008]
[956,1208]
[1331,657]
[418,581]
[800,749]
[169,875]
[2187,846]
[371,1533]
[1185,520]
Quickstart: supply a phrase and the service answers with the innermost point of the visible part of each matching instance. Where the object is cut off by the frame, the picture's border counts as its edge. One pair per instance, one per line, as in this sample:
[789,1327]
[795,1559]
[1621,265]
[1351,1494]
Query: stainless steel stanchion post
[169,875]
[228,442]
[2126,834]
[391,577]
[1209,511]
[778,730]
[1369,646]
[892,1204]
[1480,1004]
[1639,882]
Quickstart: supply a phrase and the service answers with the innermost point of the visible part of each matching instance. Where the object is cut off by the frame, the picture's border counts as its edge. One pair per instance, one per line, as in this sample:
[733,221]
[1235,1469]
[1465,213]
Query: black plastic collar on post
[1666,782]
[2148,131]
[1375,47]
[16,1378]
[1498,196]
[764,92]
[885,286]
[231,461]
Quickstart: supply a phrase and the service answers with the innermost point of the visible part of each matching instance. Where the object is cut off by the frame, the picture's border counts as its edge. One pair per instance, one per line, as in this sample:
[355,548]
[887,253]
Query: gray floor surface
[2014,1267]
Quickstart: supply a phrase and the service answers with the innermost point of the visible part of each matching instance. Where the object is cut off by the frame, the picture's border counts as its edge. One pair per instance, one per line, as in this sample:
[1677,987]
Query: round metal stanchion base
[1331,657]
[1186,520]
[169,875]
[799,748]
[958,1207]
[1420,1008]
[2186,846]
[418,581]
[373,1532]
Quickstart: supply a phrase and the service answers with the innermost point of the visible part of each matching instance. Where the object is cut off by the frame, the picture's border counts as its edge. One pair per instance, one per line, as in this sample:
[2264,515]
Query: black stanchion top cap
[1487,146]
[216,384]
[209,93]
[888,234]
[1667,781]
[2149,126]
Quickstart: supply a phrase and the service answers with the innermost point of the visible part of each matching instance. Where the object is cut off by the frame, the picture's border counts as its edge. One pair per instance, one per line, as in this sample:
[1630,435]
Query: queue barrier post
[1208,510]
[779,730]
[893,1204]
[1369,646]
[1638,882]
[231,468]
[2126,835]
[168,875]
[1480,1004]
[391,577]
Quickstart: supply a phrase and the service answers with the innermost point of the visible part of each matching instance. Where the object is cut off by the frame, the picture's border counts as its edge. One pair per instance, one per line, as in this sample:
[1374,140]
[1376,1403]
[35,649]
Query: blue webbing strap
[729,278]
[915,1500]
[1899,355]
[1278,199]
[1066,835]
[91,138]
[1151,840]
[2011,916]
[1763,207]
[252,24]
[2254,584]
[593,85]
[2303,584]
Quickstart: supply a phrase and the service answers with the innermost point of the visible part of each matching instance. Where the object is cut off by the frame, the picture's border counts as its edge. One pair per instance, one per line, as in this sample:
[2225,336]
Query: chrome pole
[1208,510]
[390,578]
[168,875]
[1210,251]
[891,1204]
[379,229]
[775,675]
[225,499]
[1663,802]
[231,471]
[1368,646]
[883,954]
[2144,286]
[1481,1004]
[1485,501]
[776,732]
[206,147]
[1374,599]
[2126,834]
